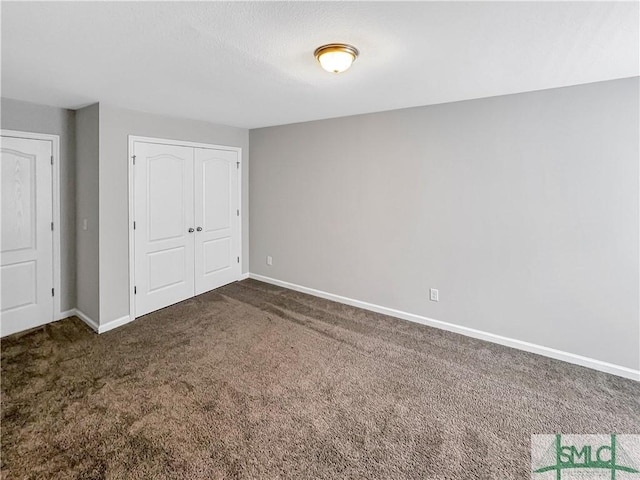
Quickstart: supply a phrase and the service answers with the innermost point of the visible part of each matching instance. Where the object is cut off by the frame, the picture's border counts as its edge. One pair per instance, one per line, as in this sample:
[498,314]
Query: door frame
[56,314]
[130,170]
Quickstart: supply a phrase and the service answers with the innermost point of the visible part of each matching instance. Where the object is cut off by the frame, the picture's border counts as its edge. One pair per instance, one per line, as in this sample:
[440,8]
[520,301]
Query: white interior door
[26,243]
[164,225]
[217,241]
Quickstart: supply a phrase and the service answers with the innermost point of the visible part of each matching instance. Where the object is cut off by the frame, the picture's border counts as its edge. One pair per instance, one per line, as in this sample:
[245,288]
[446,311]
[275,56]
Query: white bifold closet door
[217,218]
[186,223]
[164,217]
[26,244]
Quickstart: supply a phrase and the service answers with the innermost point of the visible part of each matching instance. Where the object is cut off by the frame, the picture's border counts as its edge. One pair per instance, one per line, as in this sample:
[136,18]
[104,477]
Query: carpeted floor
[254,381]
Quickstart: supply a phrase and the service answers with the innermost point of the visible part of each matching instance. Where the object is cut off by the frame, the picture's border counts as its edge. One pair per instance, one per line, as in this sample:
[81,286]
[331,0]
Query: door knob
[199,229]
[191,230]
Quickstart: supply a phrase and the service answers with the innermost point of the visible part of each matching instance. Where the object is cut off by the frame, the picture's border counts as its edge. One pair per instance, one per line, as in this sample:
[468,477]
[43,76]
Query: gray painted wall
[87,164]
[522,210]
[30,117]
[115,126]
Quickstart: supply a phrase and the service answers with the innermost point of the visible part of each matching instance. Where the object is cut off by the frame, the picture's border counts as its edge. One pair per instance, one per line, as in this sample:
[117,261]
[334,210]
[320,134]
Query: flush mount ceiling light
[336,57]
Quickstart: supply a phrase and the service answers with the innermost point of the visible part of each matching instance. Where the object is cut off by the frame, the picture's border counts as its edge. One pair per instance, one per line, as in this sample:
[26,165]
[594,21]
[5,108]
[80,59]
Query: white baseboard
[100,328]
[65,314]
[87,319]
[114,324]
[469,332]
[244,276]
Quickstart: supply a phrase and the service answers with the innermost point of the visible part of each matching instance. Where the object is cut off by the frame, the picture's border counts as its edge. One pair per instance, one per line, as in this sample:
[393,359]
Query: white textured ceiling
[251,64]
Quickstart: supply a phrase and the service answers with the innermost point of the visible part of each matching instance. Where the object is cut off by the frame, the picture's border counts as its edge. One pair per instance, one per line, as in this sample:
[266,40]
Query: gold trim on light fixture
[336,57]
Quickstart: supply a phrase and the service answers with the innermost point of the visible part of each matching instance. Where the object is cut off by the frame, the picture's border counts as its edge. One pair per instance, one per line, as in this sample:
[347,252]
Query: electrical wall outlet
[269,260]
[433,294]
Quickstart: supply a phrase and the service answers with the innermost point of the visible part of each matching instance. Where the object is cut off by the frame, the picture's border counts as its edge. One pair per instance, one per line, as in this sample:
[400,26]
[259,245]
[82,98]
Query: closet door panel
[164,217]
[26,240]
[217,248]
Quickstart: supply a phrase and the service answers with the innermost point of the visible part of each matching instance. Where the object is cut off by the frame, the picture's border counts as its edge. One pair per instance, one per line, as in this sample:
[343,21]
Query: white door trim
[182,143]
[57,313]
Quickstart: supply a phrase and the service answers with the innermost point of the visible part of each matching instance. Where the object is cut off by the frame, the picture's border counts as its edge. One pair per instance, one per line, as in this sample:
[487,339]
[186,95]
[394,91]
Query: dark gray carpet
[254,381]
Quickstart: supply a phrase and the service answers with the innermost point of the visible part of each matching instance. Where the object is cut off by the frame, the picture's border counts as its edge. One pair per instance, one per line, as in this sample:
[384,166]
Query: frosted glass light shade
[336,57]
